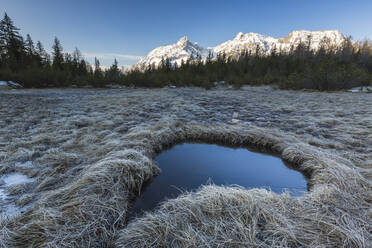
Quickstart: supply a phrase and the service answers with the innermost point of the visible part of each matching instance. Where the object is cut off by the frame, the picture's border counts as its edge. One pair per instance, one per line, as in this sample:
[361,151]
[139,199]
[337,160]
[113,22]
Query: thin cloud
[111,55]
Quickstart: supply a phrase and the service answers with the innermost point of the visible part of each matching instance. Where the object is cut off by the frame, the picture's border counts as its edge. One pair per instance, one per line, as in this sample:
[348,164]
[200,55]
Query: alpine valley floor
[87,152]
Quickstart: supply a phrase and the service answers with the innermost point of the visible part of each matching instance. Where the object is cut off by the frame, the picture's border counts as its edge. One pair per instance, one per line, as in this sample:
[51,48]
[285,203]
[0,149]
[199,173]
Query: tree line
[23,61]
[327,68]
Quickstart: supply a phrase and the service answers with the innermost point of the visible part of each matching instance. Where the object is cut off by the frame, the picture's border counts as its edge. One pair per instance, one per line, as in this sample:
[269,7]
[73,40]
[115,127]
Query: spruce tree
[41,53]
[11,44]
[98,74]
[29,46]
[57,54]
[114,72]
[77,55]
[8,32]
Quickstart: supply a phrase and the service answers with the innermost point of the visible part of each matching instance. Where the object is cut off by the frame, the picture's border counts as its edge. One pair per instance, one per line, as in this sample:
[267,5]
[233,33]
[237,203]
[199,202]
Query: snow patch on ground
[10,84]
[7,202]
[15,178]
[363,89]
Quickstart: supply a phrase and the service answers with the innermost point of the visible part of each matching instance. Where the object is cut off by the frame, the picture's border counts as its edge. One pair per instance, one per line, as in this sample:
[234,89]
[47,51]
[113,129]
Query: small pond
[187,166]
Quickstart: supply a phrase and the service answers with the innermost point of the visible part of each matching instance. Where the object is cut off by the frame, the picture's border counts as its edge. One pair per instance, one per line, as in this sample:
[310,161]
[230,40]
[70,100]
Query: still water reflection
[187,166]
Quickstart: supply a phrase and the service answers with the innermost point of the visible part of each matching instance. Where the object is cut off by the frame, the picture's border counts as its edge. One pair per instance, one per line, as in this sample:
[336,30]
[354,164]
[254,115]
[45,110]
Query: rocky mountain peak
[239,36]
[184,49]
[183,41]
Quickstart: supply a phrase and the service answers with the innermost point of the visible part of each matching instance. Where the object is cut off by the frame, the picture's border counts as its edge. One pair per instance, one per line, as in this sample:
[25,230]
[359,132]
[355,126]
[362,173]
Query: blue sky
[130,29]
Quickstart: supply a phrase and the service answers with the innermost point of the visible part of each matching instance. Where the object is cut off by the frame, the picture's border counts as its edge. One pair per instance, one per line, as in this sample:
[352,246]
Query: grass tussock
[88,170]
[336,212]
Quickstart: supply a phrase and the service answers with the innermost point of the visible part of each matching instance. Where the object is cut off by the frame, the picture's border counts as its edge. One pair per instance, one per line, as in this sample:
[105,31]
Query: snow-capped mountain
[248,42]
[335,38]
[184,49]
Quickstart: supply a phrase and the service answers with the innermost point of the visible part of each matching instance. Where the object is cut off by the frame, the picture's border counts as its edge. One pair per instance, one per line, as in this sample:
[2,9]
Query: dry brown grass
[92,152]
[336,212]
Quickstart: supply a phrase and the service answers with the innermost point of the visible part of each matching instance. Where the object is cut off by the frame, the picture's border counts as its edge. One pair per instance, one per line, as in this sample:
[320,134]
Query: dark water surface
[187,166]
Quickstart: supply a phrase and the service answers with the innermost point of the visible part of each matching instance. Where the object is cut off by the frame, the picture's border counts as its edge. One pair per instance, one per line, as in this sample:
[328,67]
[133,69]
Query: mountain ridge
[184,49]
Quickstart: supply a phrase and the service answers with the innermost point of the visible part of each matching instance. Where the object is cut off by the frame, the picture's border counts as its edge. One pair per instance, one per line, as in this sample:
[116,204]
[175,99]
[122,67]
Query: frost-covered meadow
[82,155]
